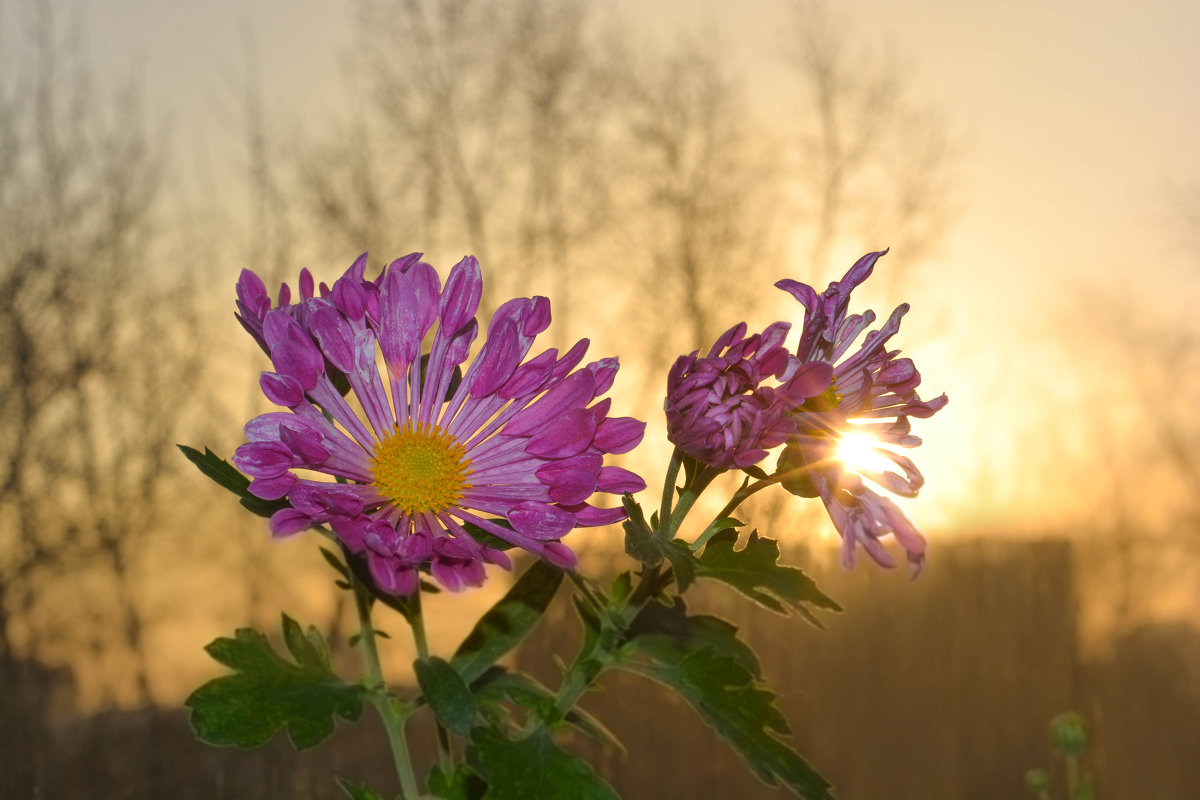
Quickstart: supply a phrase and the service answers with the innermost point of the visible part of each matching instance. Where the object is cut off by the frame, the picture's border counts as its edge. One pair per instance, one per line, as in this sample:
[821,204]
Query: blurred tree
[872,162]
[479,128]
[701,178]
[1144,438]
[99,361]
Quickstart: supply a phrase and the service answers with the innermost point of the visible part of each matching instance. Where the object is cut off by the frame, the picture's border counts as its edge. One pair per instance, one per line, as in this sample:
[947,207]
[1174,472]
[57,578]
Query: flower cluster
[423,452]
[873,394]
[719,411]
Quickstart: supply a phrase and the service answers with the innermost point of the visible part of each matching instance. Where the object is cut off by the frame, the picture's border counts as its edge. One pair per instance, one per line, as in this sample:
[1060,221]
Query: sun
[861,452]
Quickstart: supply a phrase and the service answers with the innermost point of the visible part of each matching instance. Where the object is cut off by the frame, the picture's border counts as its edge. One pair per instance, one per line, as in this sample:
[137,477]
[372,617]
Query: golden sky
[1079,119]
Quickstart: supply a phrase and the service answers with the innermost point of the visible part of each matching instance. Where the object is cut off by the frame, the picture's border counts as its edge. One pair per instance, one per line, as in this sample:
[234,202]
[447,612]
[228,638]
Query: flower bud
[1068,733]
[1037,781]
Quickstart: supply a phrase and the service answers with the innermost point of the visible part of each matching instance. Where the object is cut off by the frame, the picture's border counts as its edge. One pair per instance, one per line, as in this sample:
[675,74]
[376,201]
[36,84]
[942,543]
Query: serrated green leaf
[498,685]
[640,540]
[650,547]
[755,571]
[268,692]
[462,784]
[729,699]
[357,791]
[447,694]
[226,475]
[534,768]
[509,621]
[687,633]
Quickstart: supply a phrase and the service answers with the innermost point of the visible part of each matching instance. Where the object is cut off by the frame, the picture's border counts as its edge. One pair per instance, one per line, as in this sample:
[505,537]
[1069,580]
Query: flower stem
[668,495]
[739,497]
[691,494]
[417,620]
[392,721]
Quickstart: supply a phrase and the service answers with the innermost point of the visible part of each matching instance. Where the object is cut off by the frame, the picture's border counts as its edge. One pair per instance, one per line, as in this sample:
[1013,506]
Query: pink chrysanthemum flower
[871,399]
[421,450]
[720,410]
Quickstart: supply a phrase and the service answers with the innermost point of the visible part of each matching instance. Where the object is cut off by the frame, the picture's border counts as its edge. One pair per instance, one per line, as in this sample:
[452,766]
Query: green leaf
[226,476]
[447,694]
[685,634]
[534,768]
[498,685]
[462,784]
[268,692]
[729,699]
[357,791]
[755,571]
[508,622]
[490,539]
[621,587]
[650,547]
[755,472]
[336,563]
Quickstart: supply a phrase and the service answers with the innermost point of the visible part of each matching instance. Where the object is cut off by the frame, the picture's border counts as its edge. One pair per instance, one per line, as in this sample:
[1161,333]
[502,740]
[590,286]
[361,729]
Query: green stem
[573,686]
[416,619]
[668,495]
[1072,775]
[739,497]
[688,499]
[392,722]
[575,682]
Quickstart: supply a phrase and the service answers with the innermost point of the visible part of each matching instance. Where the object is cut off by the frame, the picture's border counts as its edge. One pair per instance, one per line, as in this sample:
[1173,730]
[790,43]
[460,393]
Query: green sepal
[268,692]
[755,571]
[650,547]
[533,768]
[508,622]
[729,698]
[797,475]
[446,693]
[335,562]
[756,472]
[226,475]
[357,791]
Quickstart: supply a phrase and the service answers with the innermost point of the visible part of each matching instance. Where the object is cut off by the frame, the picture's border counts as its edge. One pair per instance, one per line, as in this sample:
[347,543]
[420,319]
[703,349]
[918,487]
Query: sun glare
[860,452]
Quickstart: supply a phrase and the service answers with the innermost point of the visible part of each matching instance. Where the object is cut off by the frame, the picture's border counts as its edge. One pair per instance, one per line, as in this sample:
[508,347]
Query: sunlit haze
[1035,173]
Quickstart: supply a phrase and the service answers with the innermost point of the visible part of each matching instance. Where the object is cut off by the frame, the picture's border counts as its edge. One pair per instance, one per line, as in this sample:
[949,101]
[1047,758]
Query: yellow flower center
[420,468]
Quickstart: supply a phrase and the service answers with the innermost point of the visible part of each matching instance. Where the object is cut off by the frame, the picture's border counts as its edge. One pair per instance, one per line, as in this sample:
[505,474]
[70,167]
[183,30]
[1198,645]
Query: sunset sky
[1078,174]
[1077,121]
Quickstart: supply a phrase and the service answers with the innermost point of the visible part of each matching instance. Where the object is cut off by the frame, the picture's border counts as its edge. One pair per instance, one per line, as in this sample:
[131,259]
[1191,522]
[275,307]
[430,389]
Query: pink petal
[540,521]
[567,435]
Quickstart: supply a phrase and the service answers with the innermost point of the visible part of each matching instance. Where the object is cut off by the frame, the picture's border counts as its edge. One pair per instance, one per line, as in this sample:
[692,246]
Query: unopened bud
[1037,780]
[1069,734]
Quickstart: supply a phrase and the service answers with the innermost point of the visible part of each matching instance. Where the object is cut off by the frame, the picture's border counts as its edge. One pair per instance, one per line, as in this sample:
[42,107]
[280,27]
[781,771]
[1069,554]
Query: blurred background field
[652,169]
